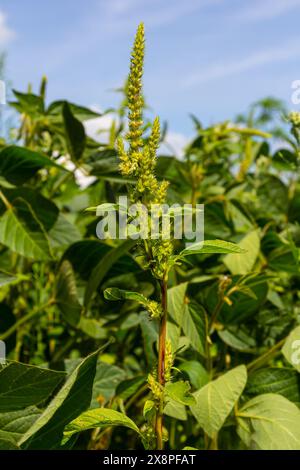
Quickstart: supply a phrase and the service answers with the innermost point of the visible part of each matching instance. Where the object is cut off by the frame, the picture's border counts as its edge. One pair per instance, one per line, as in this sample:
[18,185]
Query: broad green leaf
[180,392]
[196,373]
[215,401]
[28,103]
[19,164]
[176,302]
[194,326]
[45,211]
[128,387]
[92,328]
[18,385]
[80,112]
[269,422]
[72,399]
[102,268]
[212,247]
[107,379]
[75,133]
[63,233]
[85,255]
[175,410]
[97,418]
[243,263]
[14,424]
[238,338]
[281,380]
[21,231]
[291,348]
[66,294]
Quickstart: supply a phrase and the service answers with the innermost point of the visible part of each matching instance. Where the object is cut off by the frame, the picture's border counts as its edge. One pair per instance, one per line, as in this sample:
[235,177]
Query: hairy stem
[161,362]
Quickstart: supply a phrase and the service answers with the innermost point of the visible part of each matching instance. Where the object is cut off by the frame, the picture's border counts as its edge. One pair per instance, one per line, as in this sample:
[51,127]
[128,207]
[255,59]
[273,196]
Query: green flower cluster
[294,118]
[139,158]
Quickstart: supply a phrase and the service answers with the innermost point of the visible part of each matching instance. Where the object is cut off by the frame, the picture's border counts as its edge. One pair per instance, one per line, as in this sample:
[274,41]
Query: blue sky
[207,57]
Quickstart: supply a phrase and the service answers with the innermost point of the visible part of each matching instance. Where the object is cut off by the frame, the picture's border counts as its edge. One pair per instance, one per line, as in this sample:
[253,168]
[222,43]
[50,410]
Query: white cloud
[6,33]
[289,51]
[267,9]
[174,144]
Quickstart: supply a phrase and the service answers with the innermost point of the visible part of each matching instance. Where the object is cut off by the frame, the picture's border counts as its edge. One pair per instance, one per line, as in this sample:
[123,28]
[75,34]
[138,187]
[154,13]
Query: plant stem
[161,361]
[265,357]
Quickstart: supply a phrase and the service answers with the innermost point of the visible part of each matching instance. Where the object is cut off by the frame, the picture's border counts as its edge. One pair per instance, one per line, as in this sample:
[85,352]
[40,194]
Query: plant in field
[124,344]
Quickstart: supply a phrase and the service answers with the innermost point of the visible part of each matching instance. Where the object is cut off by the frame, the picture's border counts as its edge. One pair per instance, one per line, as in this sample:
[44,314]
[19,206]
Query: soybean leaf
[196,373]
[21,231]
[97,418]
[269,422]
[18,385]
[212,247]
[128,387]
[243,264]
[215,401]
[66,294]
[75,133]
[102,268]
[72,399]
[107,379]
[80,112]
[281,380]
[14,424]
[175,410]
[19,164]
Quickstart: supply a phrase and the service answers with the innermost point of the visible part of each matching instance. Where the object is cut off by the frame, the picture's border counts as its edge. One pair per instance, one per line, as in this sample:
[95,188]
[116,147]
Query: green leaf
[215,401]
[97,418]
[113,293]
[75,133]
[180,392]
[72,399]
[80,112]
[102,268]
[194,326]
[175,410]
[19,164]
[212,247]
[66,294]
[291,348]
[149,410]
[18,385]
[128,387]
[14,424]
[196,373]
[243,264]
[107,380]
[283,381]
[21,231]
[63,233]
[176,302]
[269,422]
[92,328]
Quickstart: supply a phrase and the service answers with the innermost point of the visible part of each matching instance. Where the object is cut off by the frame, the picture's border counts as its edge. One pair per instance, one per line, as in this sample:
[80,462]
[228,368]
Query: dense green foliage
[80,316]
